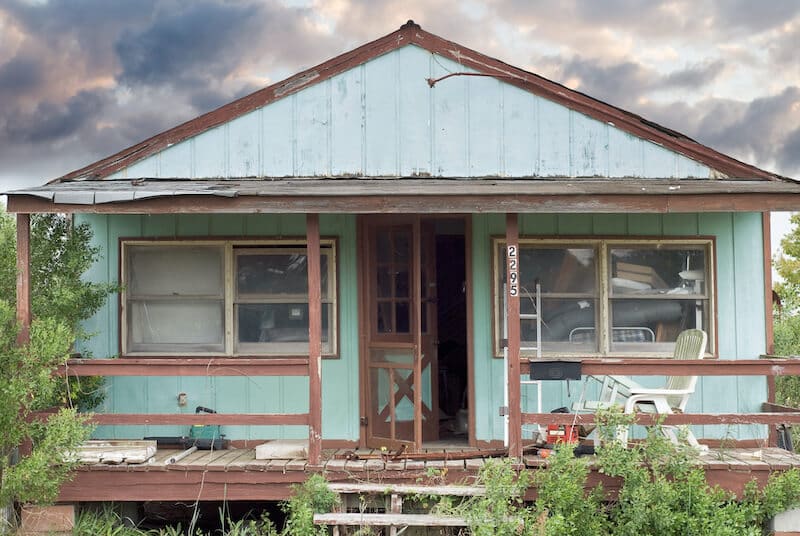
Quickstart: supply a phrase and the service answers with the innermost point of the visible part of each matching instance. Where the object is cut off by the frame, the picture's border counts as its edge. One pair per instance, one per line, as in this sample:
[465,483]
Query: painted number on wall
[513,267]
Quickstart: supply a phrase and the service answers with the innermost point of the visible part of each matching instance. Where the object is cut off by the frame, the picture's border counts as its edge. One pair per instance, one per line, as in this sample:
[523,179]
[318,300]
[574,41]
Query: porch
[235,474]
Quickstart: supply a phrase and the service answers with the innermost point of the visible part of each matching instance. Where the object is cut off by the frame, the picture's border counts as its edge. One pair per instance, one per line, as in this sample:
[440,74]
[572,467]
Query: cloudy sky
[81,79]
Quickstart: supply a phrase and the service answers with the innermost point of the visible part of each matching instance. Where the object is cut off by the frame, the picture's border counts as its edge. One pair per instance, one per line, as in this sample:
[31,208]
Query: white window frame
[602,248]
[328,247]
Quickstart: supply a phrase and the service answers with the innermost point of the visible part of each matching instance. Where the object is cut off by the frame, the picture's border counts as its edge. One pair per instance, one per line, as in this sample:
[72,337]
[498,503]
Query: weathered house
[326,259]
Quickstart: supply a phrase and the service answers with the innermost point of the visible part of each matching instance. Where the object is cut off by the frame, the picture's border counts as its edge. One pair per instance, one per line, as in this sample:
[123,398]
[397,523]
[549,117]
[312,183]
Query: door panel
[398,357]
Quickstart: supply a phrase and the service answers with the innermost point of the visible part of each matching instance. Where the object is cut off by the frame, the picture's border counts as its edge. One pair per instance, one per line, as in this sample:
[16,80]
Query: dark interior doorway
[451,281]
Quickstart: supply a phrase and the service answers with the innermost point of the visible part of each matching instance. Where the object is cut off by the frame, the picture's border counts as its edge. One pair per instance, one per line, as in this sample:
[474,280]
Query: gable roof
[482,65]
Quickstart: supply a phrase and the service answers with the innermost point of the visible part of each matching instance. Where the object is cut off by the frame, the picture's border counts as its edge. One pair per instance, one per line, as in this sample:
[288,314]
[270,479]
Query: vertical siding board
[260,225]
[520,147]
[575,224]
[645,224]
[193,224]
[415,111]
[146,168]
[538,224]
[686,168]
[159,225]
[609,224]
[450,134]
[227,225]
[589,147]
[659,163]
[346,119]
[624,154]
[381,117]
[719,394]
[243,145]
[554,143]
[680,224]
[484,124]
[750,318]
[487,389]
[340,386]
[176,161]
[210,151]
[277,137]
[311,131]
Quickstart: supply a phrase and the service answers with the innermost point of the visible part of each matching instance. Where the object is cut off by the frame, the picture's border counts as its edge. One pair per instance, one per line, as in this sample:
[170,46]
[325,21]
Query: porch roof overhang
[408,195]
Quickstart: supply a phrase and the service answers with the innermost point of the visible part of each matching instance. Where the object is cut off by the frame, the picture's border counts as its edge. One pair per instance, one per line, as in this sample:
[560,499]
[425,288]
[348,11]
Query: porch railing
[769,366]
[204,367]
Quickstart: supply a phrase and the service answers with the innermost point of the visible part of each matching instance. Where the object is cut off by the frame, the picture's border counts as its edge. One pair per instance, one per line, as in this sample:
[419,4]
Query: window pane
[277,322]
[196,324]
[276,274]
[557,269]
[665,269]
[175,270]
[568,325]
[653,325]
[402,317]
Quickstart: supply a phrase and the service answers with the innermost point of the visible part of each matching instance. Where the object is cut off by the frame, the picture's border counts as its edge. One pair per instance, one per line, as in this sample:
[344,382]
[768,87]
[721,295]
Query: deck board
[235,474]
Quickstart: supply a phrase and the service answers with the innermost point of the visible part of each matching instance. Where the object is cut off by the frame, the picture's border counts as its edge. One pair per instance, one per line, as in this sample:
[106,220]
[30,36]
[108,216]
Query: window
[223,297]
[611,296]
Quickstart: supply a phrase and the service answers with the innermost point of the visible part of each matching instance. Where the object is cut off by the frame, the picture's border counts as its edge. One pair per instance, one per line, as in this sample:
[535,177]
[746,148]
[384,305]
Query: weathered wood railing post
[23,277]
[314,340]
[513,343]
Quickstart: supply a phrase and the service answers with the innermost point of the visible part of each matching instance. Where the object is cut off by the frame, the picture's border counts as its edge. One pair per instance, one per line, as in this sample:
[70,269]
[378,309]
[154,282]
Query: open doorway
[451,282]
[414,319]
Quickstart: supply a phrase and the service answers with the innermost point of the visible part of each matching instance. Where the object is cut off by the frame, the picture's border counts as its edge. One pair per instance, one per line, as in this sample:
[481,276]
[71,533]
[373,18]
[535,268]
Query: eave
[408,195]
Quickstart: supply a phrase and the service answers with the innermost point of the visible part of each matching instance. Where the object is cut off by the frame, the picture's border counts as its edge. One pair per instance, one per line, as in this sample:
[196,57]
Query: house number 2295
[513,276]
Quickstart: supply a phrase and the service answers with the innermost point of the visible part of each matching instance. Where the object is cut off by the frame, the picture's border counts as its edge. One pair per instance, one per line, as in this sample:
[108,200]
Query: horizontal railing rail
[770,366]
[199,366]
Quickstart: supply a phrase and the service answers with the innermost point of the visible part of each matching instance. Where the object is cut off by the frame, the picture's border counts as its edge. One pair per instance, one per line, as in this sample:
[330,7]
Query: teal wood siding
[382,119]
[740,309]
[234,394]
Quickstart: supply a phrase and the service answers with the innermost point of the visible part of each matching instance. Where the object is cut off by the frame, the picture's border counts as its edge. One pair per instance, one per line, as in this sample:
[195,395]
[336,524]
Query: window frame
[602,247]
[328,246]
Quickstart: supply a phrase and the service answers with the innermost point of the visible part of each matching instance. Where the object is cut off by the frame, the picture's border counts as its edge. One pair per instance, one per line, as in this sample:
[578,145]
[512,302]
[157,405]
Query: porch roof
[408,194]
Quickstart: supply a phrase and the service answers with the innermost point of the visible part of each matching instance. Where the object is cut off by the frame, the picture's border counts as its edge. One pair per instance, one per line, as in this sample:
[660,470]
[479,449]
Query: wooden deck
[235,474]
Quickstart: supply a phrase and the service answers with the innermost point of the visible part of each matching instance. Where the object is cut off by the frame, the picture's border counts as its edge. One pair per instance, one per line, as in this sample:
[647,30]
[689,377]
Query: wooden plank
[649,419]
[386,520]
[193,418]
[364,203]
[23,277]
[171,366]
[416,315]
[513,335]
[406,489]
[314,340]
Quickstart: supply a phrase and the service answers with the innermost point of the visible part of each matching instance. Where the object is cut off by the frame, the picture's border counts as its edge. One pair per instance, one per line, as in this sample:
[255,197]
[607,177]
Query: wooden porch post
[416,262]
[314,341]
[23,277]
[512,320]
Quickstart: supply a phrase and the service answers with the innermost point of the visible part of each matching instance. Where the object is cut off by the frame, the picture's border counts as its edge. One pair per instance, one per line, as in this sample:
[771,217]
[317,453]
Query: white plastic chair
[622,391]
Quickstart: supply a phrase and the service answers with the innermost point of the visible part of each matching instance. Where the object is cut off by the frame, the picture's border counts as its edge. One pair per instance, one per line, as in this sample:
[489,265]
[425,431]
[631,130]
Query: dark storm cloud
[789,153]
[50,121]
[758,132]
[624,82]
[20,74]
[176,45]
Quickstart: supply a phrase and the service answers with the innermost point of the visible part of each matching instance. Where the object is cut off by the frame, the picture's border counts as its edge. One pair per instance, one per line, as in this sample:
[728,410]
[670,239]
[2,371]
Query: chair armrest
[643,392]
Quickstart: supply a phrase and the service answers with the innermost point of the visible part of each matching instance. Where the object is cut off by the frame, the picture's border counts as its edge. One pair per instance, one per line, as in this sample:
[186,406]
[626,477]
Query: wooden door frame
[362,263]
